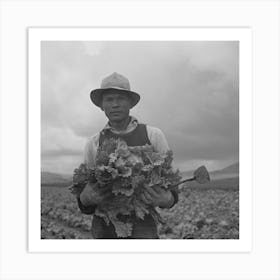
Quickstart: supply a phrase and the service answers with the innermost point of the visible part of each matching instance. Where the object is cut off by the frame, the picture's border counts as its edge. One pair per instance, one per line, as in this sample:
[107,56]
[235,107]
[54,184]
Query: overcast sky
[188,89]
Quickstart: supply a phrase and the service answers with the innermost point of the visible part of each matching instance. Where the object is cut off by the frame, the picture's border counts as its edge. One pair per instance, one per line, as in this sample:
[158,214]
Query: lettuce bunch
[128,171]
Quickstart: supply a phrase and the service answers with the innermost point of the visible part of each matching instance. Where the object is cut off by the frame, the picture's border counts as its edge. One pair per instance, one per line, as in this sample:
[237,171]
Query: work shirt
[155,135]
[135,134]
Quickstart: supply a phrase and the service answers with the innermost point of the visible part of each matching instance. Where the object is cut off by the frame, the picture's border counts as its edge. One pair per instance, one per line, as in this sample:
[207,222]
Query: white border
[243,35]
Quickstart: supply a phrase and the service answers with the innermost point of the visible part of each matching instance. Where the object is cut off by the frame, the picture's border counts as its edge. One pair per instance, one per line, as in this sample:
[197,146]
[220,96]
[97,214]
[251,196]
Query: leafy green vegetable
[129,170]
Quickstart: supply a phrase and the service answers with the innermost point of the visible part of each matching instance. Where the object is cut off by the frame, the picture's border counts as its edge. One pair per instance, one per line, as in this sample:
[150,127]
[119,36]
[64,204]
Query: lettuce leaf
[129,170]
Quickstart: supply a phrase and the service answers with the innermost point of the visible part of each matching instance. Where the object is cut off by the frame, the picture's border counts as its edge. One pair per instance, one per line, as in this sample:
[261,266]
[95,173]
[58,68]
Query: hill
[230,171]
[55,179]
[227,172]
[234,168]
[50,178]
[228,184]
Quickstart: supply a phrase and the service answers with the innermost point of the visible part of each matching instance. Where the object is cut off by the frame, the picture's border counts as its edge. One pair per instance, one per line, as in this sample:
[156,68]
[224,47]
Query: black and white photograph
[155,122]
[140,139]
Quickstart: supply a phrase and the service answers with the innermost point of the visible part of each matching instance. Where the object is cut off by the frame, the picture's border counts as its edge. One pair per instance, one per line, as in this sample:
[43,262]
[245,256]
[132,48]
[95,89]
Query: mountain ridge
[226,172]
[51,178]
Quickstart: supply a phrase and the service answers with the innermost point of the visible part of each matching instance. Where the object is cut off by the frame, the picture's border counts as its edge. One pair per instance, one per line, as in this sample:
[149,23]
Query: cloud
[188,89]
[52,153]
[93,48]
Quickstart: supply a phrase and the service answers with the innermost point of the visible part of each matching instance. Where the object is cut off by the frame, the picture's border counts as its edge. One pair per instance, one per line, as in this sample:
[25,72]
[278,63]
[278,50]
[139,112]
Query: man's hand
[158,196]
[93,195]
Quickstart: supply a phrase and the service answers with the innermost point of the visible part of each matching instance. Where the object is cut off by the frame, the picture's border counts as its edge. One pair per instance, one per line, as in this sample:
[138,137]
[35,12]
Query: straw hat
[114,81]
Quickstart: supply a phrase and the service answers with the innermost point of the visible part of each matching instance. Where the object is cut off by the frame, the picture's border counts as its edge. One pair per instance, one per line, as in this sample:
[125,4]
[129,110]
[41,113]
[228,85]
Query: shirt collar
[131,126]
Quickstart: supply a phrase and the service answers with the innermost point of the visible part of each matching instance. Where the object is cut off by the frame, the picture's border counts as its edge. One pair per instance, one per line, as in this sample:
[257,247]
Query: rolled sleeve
[157,139]
[90,150]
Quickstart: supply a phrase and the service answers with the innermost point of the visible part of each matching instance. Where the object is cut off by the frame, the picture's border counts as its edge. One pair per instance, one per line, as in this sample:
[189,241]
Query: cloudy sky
[188,89]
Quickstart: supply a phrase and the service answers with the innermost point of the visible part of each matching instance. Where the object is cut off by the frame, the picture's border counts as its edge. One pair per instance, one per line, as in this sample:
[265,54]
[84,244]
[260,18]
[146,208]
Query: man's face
[116,105]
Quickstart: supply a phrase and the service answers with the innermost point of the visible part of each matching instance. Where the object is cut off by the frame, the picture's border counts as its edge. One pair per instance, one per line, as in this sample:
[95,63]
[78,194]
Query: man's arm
[160,145]
[175,197]
[89,159]
[90,151]
[157,139]
[88,210]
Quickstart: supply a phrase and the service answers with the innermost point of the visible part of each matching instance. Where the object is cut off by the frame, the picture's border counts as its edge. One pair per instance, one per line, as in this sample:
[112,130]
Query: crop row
[51,229]
[211,214]
[71,219]
[207,214]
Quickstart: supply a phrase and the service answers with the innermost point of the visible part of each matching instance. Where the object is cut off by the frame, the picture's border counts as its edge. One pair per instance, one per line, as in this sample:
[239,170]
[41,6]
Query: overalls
[142,229]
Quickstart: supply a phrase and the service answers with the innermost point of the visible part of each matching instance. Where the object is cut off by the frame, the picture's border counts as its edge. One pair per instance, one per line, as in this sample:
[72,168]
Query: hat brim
[96,96]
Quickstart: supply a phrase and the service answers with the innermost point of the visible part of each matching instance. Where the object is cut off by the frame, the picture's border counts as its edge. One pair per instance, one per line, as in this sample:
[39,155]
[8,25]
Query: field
[209,211]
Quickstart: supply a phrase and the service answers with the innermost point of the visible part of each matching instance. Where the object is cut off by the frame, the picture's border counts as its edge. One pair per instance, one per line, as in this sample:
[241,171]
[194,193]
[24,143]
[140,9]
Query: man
[116,99]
